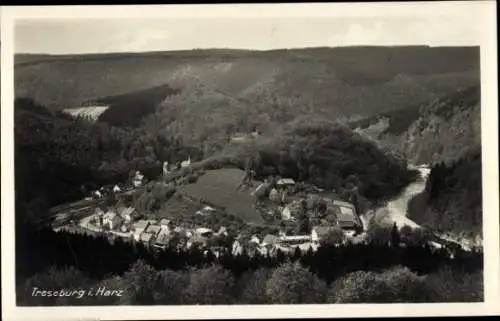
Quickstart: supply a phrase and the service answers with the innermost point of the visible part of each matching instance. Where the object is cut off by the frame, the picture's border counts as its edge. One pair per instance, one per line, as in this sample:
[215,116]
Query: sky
[77,36]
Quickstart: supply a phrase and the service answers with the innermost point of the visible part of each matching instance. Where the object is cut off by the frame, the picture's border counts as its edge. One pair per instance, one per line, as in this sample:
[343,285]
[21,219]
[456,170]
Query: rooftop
[164,221]
[270,239]
[285,181]
[153,229]
[109,215]
[141,224]
[343,204]
[146,237]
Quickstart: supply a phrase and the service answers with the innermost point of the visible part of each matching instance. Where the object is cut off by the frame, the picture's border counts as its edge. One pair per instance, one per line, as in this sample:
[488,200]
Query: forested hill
[333,82]
[446,134]
[442,130]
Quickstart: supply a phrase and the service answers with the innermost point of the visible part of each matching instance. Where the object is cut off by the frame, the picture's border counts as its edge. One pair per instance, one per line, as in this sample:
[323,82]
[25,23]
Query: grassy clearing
[219,187]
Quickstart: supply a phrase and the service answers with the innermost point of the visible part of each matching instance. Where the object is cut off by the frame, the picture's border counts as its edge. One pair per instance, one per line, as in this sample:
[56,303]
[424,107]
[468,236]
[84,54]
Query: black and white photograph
[326,155]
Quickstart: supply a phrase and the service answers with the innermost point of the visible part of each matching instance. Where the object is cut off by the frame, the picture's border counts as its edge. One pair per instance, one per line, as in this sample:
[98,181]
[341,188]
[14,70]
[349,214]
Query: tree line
[96,259]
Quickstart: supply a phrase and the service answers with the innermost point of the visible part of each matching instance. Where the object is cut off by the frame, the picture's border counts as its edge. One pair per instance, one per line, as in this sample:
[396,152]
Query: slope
[347,82]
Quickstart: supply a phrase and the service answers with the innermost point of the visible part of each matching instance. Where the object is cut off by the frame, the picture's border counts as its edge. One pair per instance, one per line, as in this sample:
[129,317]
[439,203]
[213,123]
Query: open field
[220,188]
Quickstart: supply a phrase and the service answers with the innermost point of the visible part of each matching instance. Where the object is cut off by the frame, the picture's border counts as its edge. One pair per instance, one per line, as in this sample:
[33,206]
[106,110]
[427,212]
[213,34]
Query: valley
[245,160]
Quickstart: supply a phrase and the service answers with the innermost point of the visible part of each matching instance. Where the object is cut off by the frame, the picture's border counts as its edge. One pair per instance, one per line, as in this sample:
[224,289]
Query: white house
[138,228]
[128,214]
[254,239]
[186,163]
[138,179]
[286,213]
[116,189]
[205,232]
[237,248]
[285,182]
[112,220]
[165,224]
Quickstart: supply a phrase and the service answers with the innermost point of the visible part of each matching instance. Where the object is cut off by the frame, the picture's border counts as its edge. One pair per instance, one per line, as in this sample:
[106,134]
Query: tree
[303,225]
[395,237]
[211,285]
[254,287]
[291,283]
[449,284]
[55,279]
[398,284]
[334,236]
[141,281]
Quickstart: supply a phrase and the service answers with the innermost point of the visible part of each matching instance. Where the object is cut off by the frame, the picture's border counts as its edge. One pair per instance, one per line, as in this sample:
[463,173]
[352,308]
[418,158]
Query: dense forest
[452,200]
[441,130]
[373,272]
[446,134]
[339,81]
[74,156]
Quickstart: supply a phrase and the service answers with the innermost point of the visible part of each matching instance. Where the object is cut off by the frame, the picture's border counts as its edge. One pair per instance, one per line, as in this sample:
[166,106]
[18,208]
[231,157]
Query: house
[165,224]
[207,210]
[254,239]
[346,216]
[285,183]
[153,229]
[269,240]
[196,239]
[138,179]
[286,213]
[163,238]
[116,189]
[129,214]
[125,228]
[222,231]
[239,137]
[139,227]
[291,210]
[147,238]
[237,248]
[112,220]
[287,243]
[186,163]
[204,232]
[274,195]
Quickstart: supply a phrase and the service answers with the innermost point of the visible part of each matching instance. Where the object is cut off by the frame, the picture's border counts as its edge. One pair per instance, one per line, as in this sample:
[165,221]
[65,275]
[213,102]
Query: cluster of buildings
[285,198]
[270,243]
[127,222]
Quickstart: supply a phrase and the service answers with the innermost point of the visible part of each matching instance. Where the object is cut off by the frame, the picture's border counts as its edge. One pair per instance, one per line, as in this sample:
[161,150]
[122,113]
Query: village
[280,201]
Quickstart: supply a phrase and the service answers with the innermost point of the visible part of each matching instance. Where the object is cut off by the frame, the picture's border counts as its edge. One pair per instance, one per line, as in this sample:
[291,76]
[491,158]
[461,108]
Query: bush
[192,178]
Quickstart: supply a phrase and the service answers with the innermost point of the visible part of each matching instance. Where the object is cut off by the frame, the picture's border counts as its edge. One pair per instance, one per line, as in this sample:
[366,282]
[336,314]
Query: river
[396,210]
